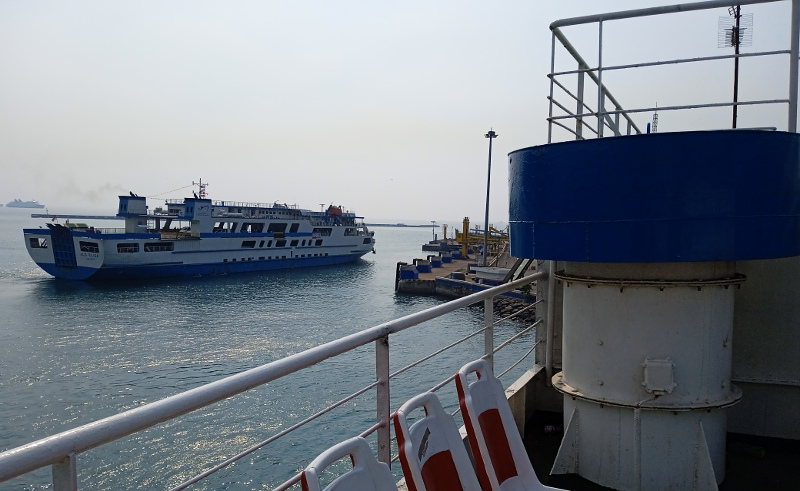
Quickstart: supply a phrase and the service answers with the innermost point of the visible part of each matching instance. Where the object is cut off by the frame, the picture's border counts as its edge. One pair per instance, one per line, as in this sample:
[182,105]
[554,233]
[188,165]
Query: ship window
[89,247]
[128,247]
[350,231]
[38,243]
[322,232]
[276,227]
[280,243]
[294,243]
[261,244]
[224,260]
[319,242]
[304,243]
[367,240]
[159,247]
[261,258]
[269,243]
[233,227]
[253,228]
[248,243]
[294,228]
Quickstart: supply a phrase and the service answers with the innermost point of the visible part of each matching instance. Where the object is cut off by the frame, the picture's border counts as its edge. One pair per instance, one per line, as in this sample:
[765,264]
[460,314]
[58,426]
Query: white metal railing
[61,450]
[610,118]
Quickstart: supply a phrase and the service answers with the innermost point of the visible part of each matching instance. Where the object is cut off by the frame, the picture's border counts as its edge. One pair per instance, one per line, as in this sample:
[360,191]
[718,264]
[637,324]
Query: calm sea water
[72,353]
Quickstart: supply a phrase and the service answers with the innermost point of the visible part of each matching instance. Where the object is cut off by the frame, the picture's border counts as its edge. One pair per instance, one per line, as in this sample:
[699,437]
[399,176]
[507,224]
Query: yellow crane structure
[498,239]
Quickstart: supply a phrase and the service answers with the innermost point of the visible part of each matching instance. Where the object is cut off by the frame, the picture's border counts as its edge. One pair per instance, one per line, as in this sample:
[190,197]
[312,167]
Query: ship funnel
[645,232]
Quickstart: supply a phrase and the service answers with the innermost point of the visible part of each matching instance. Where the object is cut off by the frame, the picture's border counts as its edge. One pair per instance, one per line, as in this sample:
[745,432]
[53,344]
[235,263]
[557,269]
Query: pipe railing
[61,450]
[296,478]
[610,119]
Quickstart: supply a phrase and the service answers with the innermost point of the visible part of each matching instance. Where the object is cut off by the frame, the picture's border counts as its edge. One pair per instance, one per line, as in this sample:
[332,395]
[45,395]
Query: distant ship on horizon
[18,203]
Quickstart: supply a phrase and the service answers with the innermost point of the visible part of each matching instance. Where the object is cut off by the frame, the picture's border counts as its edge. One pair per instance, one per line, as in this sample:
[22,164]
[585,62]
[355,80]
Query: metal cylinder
[653,339]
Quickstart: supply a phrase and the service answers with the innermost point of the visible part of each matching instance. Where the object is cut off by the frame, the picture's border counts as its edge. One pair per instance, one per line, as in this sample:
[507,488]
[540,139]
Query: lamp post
[491,135]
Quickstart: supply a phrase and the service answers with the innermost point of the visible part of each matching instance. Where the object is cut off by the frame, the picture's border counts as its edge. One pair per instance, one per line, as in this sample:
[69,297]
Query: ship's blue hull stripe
[182,270]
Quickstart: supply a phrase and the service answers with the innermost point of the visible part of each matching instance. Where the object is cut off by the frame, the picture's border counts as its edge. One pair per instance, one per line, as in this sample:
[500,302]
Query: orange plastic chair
[500,457]
[432,453]
[367,474]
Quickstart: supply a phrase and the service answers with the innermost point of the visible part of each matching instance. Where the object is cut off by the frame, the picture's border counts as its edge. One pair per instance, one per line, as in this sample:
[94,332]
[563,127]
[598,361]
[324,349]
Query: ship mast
[201,188]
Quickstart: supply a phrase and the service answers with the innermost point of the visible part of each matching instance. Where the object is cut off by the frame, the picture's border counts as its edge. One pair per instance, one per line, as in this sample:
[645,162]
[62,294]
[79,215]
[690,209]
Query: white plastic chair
[432,453]
[367,474]
[500,457]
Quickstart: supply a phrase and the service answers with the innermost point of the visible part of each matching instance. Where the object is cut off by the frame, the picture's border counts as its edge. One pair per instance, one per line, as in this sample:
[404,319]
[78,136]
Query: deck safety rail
[610,118]
[61,450]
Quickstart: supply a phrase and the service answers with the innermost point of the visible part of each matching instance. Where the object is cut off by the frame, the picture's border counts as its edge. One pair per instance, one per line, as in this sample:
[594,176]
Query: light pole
[433,231]
[491,135]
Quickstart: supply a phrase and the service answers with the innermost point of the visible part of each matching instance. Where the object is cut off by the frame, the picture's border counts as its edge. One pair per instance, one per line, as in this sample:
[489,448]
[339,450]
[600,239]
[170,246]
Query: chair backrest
[432,453]
[367,473]
[500,457]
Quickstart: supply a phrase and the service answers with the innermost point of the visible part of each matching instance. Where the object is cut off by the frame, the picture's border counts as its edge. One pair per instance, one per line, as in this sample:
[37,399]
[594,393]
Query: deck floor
[752,462]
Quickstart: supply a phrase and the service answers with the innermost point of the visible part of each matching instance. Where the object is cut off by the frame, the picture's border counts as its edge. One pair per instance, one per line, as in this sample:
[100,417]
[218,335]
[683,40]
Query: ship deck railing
[241,204]
[593,122]
[61,451]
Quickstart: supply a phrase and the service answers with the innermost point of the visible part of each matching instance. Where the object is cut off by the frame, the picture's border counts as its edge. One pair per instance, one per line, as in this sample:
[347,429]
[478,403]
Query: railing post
[600,92]
[488,334]
[552,70]
[383,402]
[579,112]
[65,474]
[794,52]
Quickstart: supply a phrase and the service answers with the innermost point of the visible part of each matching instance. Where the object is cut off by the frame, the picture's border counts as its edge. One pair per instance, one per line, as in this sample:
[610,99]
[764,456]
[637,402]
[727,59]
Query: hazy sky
[378,106]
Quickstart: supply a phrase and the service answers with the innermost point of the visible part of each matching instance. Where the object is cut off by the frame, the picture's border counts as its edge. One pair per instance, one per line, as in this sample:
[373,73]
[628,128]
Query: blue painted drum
[667,197]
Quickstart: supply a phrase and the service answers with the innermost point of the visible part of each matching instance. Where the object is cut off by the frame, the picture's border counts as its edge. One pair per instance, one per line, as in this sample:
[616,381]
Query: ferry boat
[666,334]
[198,236]
[18,203]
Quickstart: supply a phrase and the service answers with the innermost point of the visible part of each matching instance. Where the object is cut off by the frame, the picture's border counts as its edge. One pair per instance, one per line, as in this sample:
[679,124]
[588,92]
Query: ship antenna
[734,31]
[655,120]
[201,188]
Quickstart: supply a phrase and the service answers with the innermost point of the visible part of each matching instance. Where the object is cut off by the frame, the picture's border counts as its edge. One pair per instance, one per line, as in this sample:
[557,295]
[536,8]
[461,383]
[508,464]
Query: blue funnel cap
[663,197]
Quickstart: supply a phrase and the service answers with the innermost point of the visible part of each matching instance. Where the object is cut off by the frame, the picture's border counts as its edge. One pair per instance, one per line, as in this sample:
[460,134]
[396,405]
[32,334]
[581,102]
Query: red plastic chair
[432,453]
[367,474]
[500,457]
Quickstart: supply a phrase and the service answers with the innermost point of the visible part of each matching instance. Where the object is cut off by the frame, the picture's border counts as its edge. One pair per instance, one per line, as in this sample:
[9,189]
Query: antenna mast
[655,120]
[201,188]
[735,30]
